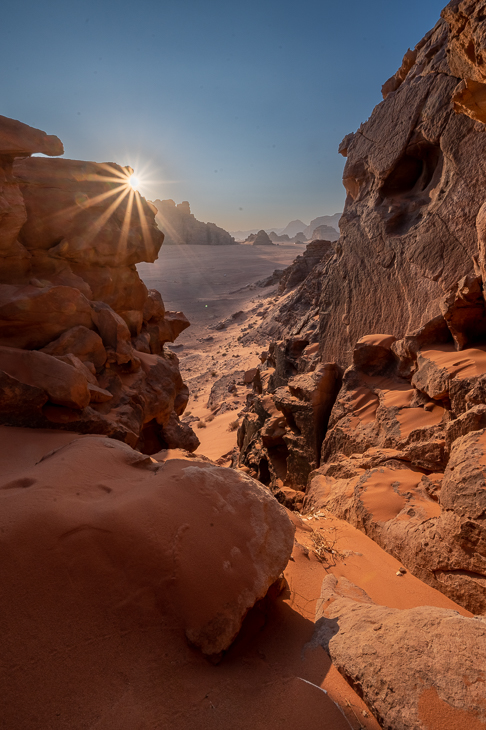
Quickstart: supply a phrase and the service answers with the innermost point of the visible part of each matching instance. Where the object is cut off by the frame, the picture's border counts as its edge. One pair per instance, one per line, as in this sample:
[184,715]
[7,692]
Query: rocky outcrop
[467,31]
[415,185]
[409,665]
[79,332]
[181,227]
[408,227]
[262,239]
[403,450]
[403,455]
[280,437]
[300,269]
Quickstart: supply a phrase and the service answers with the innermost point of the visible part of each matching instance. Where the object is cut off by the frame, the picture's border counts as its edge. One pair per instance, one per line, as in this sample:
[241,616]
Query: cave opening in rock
[264,475]
[414,171]
[278,456]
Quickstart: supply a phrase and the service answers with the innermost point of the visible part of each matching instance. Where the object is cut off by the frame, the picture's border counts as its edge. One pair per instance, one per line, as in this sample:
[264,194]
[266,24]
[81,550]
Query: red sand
[364,405]
[413,418]
[467,364]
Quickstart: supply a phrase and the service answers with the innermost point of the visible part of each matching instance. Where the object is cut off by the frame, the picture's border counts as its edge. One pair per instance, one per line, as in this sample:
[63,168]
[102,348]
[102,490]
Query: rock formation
[81,338]
[292,228]
[403,456]
[401,660]
[415,184]
[181,227]
[332,221]
[323,232]
[262,239]
[276,238]
[401,449]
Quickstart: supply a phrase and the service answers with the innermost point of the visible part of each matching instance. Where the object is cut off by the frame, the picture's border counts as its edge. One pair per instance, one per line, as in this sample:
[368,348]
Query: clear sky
[238,107]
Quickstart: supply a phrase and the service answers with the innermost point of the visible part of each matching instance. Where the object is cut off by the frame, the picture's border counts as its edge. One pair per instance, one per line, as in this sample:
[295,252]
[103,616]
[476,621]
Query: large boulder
[107,553]
[154,521]
[412,666]
[32,316]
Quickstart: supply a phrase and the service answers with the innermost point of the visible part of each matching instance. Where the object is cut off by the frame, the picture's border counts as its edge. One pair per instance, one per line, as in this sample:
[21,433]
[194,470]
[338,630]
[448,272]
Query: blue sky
[237,107]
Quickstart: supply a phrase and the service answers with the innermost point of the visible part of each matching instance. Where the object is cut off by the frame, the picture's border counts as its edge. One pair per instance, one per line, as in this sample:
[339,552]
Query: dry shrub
[209,418]
[324,546]
[200,424]
[233,425]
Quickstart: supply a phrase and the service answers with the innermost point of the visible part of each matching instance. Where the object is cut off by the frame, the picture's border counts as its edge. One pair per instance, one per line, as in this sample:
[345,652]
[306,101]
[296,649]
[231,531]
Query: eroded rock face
[405,660]
[403,455]
[408,227]
[280,437]
[71,233]
[415,184]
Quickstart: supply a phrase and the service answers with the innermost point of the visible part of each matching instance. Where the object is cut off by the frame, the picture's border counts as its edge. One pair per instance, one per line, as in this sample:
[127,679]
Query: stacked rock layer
[81,338]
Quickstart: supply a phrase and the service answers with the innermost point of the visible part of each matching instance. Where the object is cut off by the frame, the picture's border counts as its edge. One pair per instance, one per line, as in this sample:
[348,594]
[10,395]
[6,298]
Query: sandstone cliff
[398,436]
[181,227]
[81,338]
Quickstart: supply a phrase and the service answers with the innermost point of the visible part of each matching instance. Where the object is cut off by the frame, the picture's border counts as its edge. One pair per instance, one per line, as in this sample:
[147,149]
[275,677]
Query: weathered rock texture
[280,437]
[405,663]
[81,338]
[415,183]
[180,226]
[403,456]
[402,452]
[100,541]
[300,269]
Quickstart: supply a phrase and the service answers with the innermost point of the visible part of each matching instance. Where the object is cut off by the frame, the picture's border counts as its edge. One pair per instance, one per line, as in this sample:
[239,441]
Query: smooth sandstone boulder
[111,531]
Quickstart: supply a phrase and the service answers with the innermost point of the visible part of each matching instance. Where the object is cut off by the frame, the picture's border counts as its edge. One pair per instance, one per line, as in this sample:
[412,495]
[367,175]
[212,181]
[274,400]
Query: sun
[134,182]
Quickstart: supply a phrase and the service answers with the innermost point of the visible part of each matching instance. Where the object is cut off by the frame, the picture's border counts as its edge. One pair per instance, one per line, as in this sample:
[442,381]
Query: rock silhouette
[181,227]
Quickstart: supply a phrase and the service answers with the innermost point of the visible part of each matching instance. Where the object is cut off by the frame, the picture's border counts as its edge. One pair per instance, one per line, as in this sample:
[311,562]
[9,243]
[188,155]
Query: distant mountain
[293,228]
[181,227]
[278,239]
[243,235]
[325,233]
[262,239]
[323,220]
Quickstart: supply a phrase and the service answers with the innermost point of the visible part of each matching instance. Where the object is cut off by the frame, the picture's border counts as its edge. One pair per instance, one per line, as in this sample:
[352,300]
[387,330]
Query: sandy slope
[209,284]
